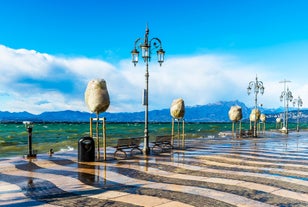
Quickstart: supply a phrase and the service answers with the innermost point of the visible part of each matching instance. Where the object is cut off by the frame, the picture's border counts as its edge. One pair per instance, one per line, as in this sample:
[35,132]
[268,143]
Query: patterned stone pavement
[220,171]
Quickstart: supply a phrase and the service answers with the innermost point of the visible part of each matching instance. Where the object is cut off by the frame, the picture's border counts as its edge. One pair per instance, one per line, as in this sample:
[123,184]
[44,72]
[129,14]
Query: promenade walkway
[219,171]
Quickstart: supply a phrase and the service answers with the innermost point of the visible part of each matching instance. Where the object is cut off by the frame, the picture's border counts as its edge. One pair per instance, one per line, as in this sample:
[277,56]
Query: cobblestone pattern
[209,172]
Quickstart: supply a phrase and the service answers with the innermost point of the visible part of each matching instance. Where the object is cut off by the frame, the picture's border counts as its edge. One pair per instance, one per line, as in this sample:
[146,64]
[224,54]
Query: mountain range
[214,112]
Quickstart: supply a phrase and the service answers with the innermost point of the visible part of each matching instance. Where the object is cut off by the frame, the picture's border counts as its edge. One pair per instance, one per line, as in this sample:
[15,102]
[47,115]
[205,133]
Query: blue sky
[50,49]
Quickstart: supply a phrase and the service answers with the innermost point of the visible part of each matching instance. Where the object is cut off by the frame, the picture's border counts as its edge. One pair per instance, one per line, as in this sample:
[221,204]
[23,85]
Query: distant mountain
[214,112]
[16,116]
[64,116]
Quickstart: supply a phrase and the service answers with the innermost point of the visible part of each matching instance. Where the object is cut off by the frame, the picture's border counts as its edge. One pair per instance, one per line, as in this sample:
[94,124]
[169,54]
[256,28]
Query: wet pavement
[212,171]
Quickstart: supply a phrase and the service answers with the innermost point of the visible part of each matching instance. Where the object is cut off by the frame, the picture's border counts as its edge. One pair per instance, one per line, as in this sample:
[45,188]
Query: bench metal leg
[136,148]
[120,151]
[157,149]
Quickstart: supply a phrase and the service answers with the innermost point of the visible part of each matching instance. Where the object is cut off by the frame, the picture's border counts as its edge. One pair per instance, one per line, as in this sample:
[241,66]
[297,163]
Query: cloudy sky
[51,49]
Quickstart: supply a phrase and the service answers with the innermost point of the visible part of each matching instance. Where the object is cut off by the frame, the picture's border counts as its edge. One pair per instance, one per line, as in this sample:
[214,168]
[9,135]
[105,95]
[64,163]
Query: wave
[67,149]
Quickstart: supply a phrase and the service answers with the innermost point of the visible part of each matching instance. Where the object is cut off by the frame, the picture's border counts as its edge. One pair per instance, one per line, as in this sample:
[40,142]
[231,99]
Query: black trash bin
[86,149]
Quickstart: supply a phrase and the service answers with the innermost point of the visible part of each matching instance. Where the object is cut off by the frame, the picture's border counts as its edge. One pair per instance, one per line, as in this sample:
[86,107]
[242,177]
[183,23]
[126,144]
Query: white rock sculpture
[278,120]
[96,96]
[177,109]
[254,115]
[263,118]
[235,113]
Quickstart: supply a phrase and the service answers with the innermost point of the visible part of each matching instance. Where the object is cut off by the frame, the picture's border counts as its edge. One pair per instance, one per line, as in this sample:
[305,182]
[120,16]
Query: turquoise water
[65,136]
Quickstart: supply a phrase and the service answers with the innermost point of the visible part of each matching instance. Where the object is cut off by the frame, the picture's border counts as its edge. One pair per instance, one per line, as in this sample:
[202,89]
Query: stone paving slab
[207,173]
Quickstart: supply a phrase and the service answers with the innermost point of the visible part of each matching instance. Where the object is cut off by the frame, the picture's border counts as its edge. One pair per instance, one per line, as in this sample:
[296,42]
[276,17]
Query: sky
[51,49]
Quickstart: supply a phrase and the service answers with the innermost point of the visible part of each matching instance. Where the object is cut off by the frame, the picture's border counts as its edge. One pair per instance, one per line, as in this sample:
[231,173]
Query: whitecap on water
[66,149]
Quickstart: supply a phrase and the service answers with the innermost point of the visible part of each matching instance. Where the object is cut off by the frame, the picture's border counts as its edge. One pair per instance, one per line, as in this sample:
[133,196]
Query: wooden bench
[128,143]
[162,143]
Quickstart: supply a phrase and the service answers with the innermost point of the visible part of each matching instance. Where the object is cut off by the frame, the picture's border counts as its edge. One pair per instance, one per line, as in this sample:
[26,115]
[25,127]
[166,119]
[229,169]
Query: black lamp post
[29,127]
[286,97]
[146,49]
[299,103]
[257,86]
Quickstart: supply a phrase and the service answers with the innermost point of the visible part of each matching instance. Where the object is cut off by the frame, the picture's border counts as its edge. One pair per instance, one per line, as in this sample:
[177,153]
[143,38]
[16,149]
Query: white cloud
[37,82]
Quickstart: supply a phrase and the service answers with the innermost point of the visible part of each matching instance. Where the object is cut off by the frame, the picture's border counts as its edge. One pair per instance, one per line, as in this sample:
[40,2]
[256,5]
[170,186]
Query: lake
[65,136]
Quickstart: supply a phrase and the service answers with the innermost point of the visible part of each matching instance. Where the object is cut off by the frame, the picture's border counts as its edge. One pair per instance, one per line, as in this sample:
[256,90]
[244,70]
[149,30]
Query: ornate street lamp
[286,97]
[257,86]
[299,103]
[147,46]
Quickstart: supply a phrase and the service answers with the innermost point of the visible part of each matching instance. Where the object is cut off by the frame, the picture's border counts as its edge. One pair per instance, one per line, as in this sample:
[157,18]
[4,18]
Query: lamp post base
[33,156]
[284,130]
[146,150]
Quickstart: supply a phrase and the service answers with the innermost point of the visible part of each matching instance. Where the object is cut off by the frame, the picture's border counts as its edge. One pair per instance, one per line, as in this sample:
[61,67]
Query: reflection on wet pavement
[210,171]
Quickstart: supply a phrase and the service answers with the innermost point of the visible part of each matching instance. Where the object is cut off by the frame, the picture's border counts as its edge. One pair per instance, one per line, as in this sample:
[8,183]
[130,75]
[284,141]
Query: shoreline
[221,135]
